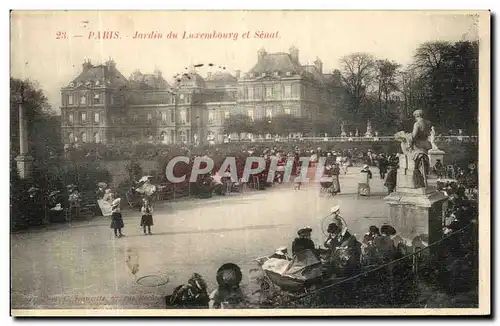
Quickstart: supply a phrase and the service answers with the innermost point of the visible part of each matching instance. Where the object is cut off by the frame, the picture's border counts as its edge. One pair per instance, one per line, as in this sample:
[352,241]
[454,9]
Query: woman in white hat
[364,181]
[116,218]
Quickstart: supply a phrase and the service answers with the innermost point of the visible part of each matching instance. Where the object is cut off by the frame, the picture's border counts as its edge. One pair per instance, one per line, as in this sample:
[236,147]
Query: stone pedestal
[24,166]
[434,155]
[417,213]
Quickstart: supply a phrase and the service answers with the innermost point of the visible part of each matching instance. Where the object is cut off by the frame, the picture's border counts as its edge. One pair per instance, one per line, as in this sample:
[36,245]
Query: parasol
[102,184]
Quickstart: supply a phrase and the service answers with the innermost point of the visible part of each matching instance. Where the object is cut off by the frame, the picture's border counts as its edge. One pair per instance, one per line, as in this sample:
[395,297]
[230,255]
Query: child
[147,216]
[298,180]
[116,218]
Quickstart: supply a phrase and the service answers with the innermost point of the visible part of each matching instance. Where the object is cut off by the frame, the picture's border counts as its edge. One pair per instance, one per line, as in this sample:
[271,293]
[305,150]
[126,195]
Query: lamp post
[24,159]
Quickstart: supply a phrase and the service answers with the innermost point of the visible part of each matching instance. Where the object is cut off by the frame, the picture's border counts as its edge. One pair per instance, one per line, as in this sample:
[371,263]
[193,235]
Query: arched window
[97,137]
[83,137]
[83,99]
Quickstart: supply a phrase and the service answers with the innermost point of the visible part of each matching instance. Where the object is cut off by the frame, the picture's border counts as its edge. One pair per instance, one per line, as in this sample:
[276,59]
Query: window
[70,99]
[135,118]
[269,113]
[288,111]
[71,137]
[70,118]
[211,116]
[164,116]
[163,136]
[250,93]
[83,116]
[97,99]
[83,136]
[269,92]
[250,114]
[97,137]
[112,99]
[288,91]
[226,115]
[83,99]
[96,117]
[182,116]
[149,117]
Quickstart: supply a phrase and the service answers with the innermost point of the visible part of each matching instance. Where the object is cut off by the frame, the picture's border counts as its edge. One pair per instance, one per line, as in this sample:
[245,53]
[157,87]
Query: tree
[386,72]
[447,75]
[357,78]
[237,124]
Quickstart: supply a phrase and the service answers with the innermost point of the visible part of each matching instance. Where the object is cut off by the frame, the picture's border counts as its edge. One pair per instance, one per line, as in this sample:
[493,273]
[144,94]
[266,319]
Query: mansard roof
[276,62]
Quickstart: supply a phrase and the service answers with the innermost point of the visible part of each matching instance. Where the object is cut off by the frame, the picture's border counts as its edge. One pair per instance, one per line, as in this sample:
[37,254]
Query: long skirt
[147,220]
[116,221]
[364,189]
[336,184]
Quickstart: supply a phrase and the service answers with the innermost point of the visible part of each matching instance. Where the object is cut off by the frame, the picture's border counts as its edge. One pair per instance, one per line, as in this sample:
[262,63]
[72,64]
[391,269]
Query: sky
[45,46]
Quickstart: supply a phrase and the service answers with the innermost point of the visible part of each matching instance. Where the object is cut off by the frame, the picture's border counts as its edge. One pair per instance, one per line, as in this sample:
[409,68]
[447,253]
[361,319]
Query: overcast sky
[36,52]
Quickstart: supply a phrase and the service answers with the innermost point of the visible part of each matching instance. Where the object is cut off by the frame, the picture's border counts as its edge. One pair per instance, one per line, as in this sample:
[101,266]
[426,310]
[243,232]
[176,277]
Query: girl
[147,216]
[116,218]
[364,181]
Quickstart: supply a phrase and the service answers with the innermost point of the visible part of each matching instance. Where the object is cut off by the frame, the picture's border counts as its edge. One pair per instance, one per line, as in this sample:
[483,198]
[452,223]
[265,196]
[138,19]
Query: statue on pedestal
[415,146]
[368,129]
[432,139]
[342,130]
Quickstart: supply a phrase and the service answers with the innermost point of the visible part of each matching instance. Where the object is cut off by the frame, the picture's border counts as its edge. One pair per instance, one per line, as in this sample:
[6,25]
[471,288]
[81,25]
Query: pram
[326,184]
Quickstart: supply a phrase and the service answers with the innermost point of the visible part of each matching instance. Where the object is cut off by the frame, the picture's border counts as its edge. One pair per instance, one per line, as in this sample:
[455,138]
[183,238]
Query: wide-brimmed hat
[229,275]
[335,209]
[102,184]
[366,166]
[304,230]
[387,229]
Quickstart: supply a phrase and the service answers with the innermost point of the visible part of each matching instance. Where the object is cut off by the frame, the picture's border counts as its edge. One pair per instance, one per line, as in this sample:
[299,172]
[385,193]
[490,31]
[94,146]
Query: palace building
[101,105]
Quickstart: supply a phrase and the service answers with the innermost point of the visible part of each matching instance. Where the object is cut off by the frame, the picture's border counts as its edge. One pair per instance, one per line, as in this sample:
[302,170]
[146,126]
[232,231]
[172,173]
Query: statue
[357,132]
[342,130]
[415,146]
[432,138]
[368,129]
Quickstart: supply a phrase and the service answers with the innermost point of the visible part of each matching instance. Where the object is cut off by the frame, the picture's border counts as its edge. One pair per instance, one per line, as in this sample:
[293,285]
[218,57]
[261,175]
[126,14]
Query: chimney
[261,54]
[237,74]
[209,74]
[319,64]
[294,53]
[86,65]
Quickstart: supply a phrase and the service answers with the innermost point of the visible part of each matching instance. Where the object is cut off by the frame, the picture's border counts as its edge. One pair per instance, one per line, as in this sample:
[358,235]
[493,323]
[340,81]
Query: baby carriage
[326,184]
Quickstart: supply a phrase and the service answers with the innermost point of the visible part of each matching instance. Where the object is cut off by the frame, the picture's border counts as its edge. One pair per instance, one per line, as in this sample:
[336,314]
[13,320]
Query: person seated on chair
[303,242]
[438,168]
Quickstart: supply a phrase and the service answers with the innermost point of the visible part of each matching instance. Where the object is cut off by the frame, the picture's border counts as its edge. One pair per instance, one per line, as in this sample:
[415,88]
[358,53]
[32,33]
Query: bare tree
[357,77]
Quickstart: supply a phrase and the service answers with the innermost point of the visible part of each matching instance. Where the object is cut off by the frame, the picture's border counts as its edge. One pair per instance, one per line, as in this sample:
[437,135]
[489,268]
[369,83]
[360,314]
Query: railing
[470,139]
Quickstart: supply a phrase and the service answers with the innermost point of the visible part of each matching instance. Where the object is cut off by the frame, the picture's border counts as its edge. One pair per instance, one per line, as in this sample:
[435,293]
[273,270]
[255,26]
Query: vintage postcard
[250,163]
